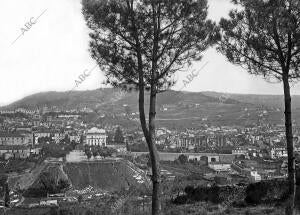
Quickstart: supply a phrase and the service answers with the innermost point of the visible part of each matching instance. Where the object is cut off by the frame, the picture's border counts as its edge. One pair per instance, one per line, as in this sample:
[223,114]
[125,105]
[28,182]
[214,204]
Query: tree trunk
[6,197]
[149,132]
[150,139]
[154,157]
[290,145]
[156,190]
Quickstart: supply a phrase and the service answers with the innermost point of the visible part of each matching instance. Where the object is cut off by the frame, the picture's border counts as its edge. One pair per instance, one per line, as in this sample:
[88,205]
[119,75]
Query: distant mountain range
[266,100]
[106,96]
[109,96]
[190,108]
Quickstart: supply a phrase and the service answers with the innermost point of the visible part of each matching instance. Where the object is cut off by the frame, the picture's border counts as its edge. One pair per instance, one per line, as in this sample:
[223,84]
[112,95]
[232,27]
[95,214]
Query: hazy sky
[53,52]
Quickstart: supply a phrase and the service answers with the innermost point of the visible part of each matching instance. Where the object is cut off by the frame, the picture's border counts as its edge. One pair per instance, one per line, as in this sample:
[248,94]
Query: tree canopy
[140,44]
[120,29]
[119,138]
[264,37]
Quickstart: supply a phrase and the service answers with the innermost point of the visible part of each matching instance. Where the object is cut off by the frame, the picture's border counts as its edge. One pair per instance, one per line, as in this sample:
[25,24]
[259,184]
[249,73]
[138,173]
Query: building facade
[96,137]
[12,139]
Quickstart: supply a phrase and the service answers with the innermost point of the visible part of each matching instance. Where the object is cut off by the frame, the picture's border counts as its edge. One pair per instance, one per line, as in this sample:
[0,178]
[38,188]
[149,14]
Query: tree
[119,138]
[53,211]
[44,139]
[183,159]
[88,154]
[66,139]
[41,140]
[48,182]
[80,198]
[86,148]
[73,144]
[264,38]
[6,198]
[109,139]
[103,152]
[140,44]
[62,184]
[81,139]
[111,151]
[95,153]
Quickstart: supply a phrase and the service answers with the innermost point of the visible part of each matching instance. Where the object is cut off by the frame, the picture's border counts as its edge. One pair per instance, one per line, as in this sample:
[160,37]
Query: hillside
[107,175]
[174,108]
[105,97]
[110,175]
[265,100]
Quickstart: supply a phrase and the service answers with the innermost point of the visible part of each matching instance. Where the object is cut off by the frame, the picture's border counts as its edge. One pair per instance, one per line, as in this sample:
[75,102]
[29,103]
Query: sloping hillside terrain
[107,175]
[106,97]
[110,175]
[178,109]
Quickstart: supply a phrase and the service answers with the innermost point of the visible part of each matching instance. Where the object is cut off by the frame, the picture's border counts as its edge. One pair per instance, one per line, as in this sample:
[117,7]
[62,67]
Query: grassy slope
[24,181]
[109,176]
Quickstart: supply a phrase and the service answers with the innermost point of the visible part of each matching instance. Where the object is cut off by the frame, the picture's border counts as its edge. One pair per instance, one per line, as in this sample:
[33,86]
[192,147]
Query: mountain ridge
[106,97]
[92,98]
[187,109]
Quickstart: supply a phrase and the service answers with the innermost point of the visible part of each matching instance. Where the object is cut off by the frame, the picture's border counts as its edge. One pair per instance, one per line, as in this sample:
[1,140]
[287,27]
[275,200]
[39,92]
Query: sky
[50,52]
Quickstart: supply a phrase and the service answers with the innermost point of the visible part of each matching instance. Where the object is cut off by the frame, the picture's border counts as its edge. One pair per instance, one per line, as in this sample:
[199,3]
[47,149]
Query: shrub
[189,190]
[266,191]
[183,159]
[180,200]
[261,192]
[213,194]
[35,192]
[200,194]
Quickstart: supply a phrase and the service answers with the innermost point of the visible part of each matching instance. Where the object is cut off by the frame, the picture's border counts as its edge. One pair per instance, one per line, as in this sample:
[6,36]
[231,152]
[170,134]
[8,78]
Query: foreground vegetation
[201,208]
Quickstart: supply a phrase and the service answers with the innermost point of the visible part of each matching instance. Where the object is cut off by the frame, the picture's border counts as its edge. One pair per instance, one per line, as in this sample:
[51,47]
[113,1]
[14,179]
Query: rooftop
[6,134]
[95,130]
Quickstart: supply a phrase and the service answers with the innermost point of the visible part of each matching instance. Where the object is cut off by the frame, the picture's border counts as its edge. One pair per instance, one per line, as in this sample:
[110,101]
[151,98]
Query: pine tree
[264,38]
[119,138]
[141,44]
[109,139]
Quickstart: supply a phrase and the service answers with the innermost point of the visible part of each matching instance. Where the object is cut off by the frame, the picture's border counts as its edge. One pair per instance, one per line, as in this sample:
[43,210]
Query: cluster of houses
[22,137]
[17,145]
[275,150]
[259,141]
[22,144]
[45,109]
[250,142]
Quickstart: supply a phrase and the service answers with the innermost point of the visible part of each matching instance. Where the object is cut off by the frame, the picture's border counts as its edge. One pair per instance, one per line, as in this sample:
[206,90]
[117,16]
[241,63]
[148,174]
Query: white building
[255,176]
[219,167]
[95,136]
[278,151]
[240,151]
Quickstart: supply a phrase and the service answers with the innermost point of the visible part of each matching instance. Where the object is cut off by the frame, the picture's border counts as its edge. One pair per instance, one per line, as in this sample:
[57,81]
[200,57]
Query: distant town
[161,107]
[32,141]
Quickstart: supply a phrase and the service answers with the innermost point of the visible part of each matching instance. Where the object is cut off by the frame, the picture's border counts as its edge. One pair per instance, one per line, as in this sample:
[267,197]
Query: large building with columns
[96,137]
